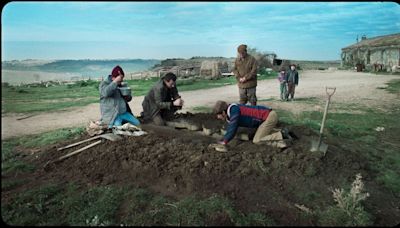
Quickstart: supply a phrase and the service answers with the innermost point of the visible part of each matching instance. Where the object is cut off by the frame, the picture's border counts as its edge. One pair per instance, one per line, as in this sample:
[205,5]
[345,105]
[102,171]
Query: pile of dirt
[257,178]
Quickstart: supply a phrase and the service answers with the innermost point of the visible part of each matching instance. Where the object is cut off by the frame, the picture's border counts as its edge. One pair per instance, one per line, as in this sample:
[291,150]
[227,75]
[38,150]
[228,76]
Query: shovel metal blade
[322,146]
[111,137]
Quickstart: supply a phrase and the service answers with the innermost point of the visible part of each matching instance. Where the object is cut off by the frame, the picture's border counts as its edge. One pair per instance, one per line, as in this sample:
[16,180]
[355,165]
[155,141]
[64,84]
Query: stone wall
[213,69]
[384,57]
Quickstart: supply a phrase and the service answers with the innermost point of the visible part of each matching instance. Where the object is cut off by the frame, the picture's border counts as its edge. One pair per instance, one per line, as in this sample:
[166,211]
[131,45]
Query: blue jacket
[244,116]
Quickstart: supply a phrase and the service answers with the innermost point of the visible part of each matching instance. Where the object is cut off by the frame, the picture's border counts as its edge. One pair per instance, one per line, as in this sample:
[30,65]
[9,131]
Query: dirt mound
[179,163]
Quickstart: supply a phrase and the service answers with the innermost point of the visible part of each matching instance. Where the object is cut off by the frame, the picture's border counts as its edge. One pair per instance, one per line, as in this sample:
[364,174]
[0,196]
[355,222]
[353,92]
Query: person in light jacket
[114,108]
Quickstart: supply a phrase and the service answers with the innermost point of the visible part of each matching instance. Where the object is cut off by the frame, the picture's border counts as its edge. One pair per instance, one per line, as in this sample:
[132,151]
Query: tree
[264,59]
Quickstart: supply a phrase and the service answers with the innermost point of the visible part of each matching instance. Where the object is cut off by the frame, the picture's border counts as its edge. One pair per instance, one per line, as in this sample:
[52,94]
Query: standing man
[292,79]
[245,70]
[113,106]
[162,101]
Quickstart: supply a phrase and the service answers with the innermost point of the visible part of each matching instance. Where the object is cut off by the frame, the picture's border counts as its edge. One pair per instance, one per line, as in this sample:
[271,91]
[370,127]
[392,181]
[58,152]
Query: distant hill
[192,62]
[86,67]
[314,65]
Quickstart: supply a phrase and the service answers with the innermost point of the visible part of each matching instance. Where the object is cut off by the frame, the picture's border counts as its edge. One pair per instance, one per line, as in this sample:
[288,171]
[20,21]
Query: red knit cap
[117,71]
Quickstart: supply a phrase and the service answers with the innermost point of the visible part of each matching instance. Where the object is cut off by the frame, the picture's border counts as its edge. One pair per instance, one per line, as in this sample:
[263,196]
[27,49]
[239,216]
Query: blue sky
[159,30]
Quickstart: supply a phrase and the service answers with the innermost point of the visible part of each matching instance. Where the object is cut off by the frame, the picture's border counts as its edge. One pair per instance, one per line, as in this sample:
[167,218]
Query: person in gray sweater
[114,108]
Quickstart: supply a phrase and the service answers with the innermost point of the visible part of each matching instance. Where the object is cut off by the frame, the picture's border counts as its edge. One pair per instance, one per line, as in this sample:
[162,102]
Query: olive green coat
[246,68]
[159,97]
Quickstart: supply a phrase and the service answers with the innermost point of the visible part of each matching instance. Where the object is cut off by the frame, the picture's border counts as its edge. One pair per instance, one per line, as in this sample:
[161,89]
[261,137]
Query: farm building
[213,68]
[377,53]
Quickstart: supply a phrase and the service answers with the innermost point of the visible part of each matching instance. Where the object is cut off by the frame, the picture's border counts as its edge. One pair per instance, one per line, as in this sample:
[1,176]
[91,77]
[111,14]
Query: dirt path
[352,88]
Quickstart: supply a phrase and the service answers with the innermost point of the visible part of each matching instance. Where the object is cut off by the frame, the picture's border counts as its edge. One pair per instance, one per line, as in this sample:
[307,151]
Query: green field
[74,204]
[28,99]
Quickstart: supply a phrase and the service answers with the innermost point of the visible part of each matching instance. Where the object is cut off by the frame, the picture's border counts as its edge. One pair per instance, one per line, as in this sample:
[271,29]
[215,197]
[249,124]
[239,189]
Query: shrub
[348,210]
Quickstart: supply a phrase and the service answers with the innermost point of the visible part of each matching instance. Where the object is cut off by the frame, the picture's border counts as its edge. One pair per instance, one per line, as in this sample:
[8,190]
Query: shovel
[108,136]
[319,145]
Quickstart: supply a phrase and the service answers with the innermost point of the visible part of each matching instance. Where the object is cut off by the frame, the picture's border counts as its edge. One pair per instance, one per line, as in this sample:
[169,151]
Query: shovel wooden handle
[326,108]
[78,151]
[78,143]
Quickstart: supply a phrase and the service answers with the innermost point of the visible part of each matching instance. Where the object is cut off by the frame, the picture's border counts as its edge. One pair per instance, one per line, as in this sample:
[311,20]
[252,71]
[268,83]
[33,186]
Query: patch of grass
[309,119]
[310,171]
[141,87]
[147,209]
[308,197]
[55,205]
[16,166]
[393,86]
[359,131]
[95,207]
[340,124]
[11,161]
[202,109]
[70,205]
[390,179]
[47,137]
[10,184]
[35,207]
[41,99]
[334,216]
[308,100]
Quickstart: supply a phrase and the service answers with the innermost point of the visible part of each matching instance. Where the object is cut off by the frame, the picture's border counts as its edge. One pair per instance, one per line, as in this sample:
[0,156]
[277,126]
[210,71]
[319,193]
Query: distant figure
[245,70]
[162,101]
[282,84]
[113,106]
[292,79]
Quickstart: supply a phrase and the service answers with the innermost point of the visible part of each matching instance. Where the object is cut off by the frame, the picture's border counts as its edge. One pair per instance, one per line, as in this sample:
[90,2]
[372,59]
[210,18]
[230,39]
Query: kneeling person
[113,105]
[261,117]
[162,101]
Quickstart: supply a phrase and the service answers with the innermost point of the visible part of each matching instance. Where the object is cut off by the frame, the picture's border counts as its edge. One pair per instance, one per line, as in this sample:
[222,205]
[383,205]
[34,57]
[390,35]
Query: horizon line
[105,59]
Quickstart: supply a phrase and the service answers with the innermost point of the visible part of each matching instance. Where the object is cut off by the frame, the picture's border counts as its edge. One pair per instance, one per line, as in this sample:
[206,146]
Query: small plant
[348,210]
[95,221]
[350,202]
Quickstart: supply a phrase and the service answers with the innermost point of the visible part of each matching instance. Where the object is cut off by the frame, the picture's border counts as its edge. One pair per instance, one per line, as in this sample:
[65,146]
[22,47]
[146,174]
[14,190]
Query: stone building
[213,69]
[381,53]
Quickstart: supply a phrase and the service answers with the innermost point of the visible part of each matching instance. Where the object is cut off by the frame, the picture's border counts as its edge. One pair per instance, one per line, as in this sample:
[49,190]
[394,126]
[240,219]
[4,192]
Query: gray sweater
[111,101]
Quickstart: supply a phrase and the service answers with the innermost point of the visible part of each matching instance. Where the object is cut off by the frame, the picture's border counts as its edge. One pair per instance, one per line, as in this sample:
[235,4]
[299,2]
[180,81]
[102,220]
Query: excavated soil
[257,178]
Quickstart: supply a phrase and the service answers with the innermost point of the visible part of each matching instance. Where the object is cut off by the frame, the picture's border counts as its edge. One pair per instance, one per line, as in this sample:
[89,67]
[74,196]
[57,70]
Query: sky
[160,30]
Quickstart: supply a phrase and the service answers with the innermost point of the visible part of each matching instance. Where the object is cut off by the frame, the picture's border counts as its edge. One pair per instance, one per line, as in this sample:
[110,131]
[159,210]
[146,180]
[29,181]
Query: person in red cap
[113,106]
[245,70]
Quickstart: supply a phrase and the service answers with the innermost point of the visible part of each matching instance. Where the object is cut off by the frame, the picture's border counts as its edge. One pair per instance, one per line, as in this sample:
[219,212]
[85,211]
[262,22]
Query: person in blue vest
[263,118]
